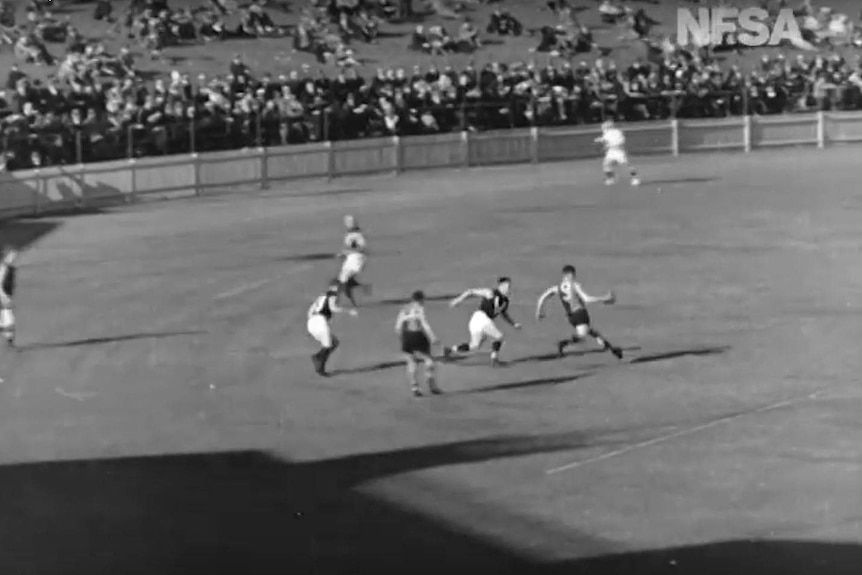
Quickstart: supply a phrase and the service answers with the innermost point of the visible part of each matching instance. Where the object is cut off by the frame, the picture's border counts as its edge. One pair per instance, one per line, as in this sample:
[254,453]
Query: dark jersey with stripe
[9,280]
[495,305]
[321,305]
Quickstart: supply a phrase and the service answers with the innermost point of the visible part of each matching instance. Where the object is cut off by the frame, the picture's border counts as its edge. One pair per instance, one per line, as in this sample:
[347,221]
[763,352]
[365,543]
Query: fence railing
[192,129]
[60,188]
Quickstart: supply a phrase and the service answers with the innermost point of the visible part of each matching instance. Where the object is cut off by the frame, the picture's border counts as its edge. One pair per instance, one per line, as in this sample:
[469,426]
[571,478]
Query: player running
[614,141]
[416,340]
[354,253]
[575,301]
[494,302]
[8,279]
[319,317]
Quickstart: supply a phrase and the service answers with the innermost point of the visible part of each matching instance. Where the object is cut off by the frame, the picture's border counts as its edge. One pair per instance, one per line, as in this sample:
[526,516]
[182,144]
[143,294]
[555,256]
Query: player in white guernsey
[8,280]
[614,142]
[575,301]
[319,317]
[417,337]
[355,253]
[492,303]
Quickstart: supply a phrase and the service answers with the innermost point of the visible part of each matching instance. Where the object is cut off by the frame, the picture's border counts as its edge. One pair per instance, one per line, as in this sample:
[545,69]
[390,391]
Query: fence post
[37,200]
[534,144]
[746,133]
[133,196]
[396,142]
[465,147]
[821,129]
[330,161]
[674,137]
[264,168]
[196,168]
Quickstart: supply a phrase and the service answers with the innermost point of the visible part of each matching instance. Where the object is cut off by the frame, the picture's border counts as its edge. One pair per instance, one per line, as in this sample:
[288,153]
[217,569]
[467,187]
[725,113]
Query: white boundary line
[682,433]
[242,289]
[250,286]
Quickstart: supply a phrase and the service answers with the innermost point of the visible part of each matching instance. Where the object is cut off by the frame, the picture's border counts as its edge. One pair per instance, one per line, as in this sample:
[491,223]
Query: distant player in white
[319,317]
[8,279]
[614,142]
[355,253]
[417,337]
[575,301]
[493,302]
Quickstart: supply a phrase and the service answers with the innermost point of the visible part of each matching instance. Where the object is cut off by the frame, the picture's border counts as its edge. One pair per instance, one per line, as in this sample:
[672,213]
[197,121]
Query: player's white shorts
[352,267]
[615,157]
[7,318]
[318,328]
[482,327]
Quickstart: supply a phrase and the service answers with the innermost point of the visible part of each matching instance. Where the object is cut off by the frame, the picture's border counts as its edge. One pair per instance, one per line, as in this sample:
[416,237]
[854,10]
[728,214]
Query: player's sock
[635,179]
[609,177]
[431,379]
[411,377]
[607,345]
[495,351]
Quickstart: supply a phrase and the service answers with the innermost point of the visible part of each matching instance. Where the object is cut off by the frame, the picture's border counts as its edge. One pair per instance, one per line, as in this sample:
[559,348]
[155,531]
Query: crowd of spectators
[98,107]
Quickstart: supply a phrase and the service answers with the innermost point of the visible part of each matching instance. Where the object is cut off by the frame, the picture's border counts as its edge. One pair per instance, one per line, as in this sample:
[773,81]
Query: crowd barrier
[57,189]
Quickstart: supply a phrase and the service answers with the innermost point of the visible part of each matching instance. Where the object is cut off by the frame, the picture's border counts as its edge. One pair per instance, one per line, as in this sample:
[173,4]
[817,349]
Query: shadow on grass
[530,383]
[23,233]
[547,357]
[249,512]
[314,257]
[691,180]
[428,298]
[106,340]
[694,352]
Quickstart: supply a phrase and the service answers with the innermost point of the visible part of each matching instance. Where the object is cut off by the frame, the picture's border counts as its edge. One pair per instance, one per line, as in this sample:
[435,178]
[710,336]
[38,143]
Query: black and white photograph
[430,287]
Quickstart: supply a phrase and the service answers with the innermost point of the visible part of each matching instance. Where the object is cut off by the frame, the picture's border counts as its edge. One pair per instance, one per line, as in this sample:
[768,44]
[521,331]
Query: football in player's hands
[517,326]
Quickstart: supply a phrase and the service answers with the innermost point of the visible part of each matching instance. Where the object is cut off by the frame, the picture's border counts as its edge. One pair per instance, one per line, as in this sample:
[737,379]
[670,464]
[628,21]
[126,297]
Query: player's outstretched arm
[540,305]
[510,321]
[480,292]
[608,298]
[335,308]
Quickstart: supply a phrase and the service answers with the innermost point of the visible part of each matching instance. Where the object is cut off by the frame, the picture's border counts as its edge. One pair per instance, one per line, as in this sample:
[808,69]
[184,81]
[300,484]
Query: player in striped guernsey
[493,303]
[8,280]
[355,253]
[416,340]
[319,317]
[575,301]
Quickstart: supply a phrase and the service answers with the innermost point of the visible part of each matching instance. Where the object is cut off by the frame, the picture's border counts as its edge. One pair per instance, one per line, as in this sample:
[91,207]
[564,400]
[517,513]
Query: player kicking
[614,141]
[575,301]
[493,302]
[8,277]
[319,317]
[354,254]
[416,340]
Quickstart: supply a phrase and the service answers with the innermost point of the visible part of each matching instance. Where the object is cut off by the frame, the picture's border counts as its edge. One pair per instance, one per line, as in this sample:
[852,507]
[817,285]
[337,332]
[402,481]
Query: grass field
[277,55]
[162,415]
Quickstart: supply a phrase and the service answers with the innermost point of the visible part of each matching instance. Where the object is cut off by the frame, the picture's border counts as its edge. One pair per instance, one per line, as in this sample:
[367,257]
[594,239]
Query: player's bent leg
[431,374]
[411,374]
[605,344]
[7,325]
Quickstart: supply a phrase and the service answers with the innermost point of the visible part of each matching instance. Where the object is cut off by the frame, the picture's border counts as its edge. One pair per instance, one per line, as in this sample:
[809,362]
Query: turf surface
[162,414]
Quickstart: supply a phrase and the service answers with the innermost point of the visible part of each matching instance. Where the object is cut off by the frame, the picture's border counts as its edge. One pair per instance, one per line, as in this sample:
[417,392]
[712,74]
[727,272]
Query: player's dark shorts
[415,342]
[579,317]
